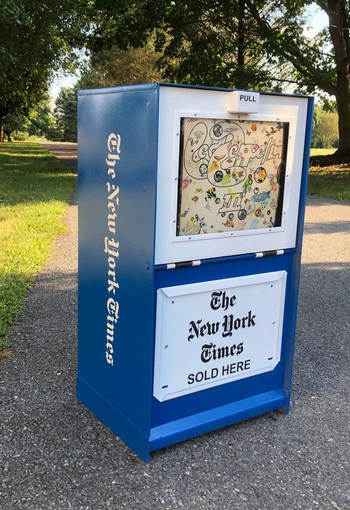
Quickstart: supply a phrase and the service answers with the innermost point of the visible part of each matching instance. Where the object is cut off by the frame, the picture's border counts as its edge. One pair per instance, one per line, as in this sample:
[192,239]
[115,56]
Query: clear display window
[231,175]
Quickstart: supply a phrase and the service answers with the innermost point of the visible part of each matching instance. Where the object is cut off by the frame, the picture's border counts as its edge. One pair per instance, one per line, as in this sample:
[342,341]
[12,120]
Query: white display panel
[216,332]
[206,106]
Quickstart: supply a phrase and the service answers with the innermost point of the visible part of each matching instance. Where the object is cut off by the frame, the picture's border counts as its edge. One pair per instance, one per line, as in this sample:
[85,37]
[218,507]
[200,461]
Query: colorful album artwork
[231,175]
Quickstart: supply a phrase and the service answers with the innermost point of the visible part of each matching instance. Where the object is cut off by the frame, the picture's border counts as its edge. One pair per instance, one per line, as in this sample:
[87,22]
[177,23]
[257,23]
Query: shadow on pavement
[66,152]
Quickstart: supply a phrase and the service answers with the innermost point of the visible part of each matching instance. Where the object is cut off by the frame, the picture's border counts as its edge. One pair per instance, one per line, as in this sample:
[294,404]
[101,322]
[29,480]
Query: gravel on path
[54,454]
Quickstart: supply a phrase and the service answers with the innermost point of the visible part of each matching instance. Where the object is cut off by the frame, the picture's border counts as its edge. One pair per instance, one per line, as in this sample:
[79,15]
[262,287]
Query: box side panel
[117,172]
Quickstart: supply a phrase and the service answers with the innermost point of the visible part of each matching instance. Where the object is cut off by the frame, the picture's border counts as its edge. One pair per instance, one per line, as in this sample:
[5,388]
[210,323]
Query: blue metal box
[191,209]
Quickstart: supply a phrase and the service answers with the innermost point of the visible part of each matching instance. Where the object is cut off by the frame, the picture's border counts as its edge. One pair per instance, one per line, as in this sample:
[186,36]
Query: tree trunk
[8,133]
[338,29]
[343,103]
[241,35]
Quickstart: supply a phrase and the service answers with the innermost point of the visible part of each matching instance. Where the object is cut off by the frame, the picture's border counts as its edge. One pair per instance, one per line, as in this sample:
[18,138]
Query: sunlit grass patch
[34,192]
[330,182]
[322,152]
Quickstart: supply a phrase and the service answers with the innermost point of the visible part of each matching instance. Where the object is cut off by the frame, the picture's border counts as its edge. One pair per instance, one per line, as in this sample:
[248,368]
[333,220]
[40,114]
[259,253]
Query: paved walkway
[54,454]
[65,152]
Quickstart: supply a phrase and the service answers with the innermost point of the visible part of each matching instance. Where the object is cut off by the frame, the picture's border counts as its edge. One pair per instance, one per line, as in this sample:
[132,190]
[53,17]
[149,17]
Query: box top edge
[156,85]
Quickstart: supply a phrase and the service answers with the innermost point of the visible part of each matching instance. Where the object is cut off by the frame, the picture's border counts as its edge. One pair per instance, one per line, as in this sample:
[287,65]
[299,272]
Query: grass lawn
[322,152]
[330,181]
[34,192]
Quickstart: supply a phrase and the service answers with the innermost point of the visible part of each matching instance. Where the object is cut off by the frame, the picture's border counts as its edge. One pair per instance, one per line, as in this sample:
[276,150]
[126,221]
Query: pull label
[240,101]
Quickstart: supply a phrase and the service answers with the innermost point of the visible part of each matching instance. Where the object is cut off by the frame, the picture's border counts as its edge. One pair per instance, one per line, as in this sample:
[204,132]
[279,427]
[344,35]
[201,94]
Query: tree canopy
[231,43]
[241,43]
[325,129]
[113,66]
[36,37]
[65,113]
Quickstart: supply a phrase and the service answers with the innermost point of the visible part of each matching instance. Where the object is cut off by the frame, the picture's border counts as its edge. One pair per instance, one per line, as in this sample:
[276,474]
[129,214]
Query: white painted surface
[212,333]
[176,103]
[242,102]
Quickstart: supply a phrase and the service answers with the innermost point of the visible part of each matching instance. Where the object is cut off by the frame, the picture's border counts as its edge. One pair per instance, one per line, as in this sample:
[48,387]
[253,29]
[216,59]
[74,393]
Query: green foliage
[240,43]
[36,37]
[34,192]
[105,68]
[112,66]
[325,129]
[39,123]
[12,123]
[65,115]
[200,42]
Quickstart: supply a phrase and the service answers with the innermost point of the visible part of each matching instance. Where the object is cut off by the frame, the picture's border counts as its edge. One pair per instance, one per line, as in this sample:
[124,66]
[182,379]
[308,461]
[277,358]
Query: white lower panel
[215,332]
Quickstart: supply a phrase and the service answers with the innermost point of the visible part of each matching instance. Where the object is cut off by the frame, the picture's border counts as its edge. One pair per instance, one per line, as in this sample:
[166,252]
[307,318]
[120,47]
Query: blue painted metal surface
[295,272]
[215,417]
[244,388]
[118,283]
[114,393]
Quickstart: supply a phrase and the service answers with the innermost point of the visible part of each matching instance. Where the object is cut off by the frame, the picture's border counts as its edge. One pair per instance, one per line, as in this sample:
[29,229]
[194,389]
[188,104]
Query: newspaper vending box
[191,207]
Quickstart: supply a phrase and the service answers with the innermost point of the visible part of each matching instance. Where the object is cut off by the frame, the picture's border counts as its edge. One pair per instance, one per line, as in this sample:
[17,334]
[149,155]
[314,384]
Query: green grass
[322,152]
[34,192]
[330,182]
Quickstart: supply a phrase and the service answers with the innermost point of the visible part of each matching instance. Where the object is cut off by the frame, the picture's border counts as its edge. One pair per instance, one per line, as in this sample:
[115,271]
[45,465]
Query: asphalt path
[55,454]
[65,152]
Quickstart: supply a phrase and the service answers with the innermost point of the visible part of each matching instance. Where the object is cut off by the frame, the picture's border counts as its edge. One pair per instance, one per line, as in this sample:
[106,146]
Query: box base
[178,430]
